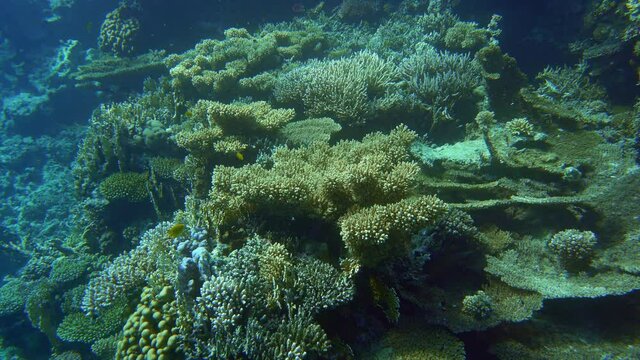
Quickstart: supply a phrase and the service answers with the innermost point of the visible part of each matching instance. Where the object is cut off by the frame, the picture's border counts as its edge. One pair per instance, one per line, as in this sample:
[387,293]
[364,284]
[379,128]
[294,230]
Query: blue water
[355,179]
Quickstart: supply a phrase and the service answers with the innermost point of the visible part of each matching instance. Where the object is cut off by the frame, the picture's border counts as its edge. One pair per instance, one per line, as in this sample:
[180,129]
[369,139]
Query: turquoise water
[356,179]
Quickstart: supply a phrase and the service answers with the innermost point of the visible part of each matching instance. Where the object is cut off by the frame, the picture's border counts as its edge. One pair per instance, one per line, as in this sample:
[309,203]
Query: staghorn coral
[343,90]
[441,80]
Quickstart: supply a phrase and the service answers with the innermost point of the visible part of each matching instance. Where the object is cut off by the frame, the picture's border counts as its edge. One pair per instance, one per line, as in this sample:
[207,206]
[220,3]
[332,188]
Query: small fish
[89,26]
[188,113]
[239,156]
[176,230]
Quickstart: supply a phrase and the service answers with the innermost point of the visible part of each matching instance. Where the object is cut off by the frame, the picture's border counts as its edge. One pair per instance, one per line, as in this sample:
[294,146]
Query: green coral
[380,232]
[68,269]
[573,245]
[241,118]
[119,30]
[466,36]
[127,186]
[320,180]
[79,327]
[131,271]
[415,341]
[306,132]
[12,296]
[105,349]
[216,66]
[151,331]
[442,81]
[479,305]
[260,303]
[532,267]
[344,89]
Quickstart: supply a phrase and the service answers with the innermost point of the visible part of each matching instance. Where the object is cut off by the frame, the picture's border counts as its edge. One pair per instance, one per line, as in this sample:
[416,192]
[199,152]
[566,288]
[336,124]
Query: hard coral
[573,245]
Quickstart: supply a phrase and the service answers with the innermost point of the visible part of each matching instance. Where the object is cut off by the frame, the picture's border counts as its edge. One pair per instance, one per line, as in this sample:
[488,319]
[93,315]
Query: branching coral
[239,118]
[319,181]
[130,271]
[128,186]
[343,89]
[260,302]
[441,79]
[381,232]
[216,67]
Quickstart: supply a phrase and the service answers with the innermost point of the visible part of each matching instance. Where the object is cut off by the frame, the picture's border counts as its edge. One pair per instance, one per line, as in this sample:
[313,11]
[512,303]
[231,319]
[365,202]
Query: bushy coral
[119,30]
[573,245]
[79,327]
[358,10]
[479,305]
[466,36]
[130,271]
[105,349]
[320,180]
[520,127]
[12,297]
[68,269]
[260,302]
[381,232]
[125,186]
[120,134]
[343,89]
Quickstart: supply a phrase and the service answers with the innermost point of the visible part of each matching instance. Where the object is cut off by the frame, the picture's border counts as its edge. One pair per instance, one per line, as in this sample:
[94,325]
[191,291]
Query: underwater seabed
[375,180]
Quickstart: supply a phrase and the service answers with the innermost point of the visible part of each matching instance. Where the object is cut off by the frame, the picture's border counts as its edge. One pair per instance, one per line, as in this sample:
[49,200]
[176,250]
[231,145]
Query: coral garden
[361,180]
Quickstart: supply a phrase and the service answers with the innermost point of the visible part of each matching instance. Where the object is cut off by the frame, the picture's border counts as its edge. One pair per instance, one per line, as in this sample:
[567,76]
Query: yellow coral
[150,332]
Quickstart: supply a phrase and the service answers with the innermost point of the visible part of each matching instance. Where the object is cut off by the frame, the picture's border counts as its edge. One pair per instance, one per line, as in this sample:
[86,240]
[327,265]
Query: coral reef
[119,30]
[376,181]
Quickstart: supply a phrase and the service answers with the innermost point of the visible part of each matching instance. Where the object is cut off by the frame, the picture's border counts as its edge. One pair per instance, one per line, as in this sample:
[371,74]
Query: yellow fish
[176,230]
[239,156]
